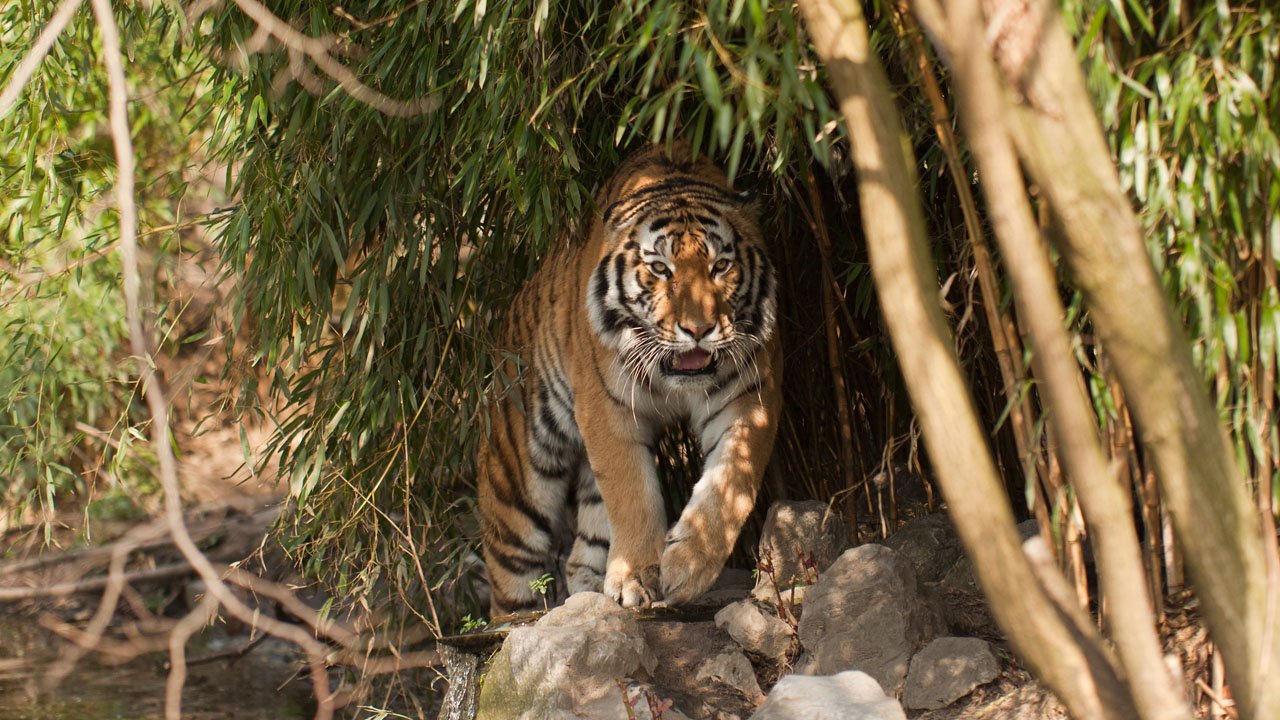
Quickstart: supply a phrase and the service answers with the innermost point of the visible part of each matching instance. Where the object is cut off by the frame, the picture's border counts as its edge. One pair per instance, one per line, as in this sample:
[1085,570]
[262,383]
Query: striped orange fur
[663,312]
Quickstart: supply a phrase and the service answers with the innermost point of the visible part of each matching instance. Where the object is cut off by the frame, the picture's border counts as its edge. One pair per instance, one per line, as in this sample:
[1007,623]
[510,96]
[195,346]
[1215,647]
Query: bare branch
[94,584]
[320,52]
[185,628]
[102,616]
[151,382]
[218,595]
[1105,502]
[43,44]
[1071,663]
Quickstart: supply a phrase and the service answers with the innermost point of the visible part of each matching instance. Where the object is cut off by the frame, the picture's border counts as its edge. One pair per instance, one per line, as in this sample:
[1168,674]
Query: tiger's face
[686,294]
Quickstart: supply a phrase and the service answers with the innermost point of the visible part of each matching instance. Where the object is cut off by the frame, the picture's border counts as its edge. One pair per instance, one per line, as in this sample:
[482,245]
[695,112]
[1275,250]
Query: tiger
[662,311]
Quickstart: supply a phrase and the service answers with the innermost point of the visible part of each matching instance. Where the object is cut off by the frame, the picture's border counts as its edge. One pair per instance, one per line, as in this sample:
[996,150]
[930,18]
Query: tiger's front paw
[632,588]
[689,568]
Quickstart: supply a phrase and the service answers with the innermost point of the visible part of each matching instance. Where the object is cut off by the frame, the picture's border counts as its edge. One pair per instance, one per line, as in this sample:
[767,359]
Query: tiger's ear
[746,201]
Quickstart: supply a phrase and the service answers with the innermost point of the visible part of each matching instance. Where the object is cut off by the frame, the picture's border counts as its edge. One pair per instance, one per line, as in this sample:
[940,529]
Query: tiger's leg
[736,443]
[586,563]
[523,505]
[519,549]
[628,482]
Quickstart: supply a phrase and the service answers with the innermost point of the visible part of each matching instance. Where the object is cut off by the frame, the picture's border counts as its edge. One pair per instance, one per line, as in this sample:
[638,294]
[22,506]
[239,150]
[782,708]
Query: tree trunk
[1056,641]
[1062,146]
[1106,502]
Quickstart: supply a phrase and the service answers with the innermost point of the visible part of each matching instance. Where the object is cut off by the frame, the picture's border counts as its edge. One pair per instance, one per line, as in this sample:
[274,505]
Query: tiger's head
[684,290]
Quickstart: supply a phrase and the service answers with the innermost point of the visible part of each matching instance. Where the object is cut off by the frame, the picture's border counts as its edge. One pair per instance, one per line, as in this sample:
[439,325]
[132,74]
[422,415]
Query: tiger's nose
[697,332]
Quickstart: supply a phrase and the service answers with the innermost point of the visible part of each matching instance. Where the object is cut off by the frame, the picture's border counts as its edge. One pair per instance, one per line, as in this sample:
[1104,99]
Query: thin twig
[1226,706]
[232,654]
[182,632]
[319,51]
[94,584]
[101,617]
[154,536]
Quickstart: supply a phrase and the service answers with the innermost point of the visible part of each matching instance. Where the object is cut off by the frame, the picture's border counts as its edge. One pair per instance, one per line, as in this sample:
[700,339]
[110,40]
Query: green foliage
[1187,94]
[375,253]
[67,396]
[469,623]
[542,584]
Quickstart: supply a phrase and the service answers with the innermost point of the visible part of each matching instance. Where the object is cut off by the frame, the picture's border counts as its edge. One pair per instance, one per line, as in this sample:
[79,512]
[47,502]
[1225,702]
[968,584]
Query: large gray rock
[755,630]
[846,696]
[866,613]
[964,606]
[686,674]
[734,670]
[569,664]
[930,544]
[946,670]
[793,534]
[1014,695]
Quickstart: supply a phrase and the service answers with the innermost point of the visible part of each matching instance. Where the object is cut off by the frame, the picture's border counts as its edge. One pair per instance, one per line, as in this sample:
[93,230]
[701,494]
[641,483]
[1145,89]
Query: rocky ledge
[875,632]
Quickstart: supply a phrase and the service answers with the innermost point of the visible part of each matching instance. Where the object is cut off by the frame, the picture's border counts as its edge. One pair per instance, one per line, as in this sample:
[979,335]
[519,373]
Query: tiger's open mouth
[691,362]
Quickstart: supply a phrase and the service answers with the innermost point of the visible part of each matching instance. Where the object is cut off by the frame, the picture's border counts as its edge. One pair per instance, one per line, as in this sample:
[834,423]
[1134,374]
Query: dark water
[265,684]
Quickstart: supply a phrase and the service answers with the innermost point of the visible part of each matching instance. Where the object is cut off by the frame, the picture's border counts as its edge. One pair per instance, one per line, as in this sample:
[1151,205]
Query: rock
[930,544]
[964,607]
[732,585]
[1014,695]
[795,530]
[681,650]
[646,704]
[568,663]
[946,670]
[866,613]
[734,670]
[755,630]
[904,487]
[846,696]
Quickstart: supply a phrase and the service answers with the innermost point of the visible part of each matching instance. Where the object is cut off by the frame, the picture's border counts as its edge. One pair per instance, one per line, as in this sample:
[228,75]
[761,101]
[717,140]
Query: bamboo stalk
[835,361]
[1267,391]
[1005,339]
[1144,484]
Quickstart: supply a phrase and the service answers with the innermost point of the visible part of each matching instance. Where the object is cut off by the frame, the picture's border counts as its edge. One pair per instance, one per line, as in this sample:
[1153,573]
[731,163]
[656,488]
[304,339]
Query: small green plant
[469,623]
[541,586]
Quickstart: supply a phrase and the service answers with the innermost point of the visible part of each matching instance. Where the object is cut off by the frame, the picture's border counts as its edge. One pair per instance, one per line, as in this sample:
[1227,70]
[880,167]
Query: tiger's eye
[721,266]
[659,269]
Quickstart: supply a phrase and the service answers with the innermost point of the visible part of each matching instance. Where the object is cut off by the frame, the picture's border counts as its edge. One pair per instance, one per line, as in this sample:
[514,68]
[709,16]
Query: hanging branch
[43,44]
[320,52]
[153,390]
